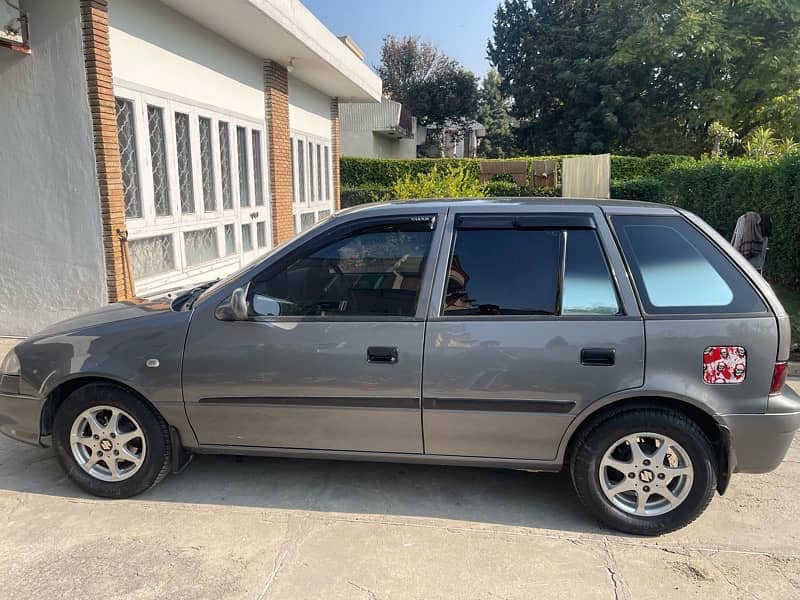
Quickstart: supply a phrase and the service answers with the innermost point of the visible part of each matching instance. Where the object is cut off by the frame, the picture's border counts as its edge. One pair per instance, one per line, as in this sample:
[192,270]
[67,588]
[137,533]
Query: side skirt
[435,459]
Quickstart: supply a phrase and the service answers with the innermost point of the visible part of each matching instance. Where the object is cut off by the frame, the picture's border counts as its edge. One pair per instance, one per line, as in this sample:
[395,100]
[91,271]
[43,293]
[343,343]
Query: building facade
[384,130]
[155,144]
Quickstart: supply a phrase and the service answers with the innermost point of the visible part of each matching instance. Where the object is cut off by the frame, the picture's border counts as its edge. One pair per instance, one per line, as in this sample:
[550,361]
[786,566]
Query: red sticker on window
[724,364]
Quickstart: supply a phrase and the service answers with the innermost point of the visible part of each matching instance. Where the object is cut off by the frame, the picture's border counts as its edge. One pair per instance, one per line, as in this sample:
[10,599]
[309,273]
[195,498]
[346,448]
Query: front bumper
[759,442]
[20,415]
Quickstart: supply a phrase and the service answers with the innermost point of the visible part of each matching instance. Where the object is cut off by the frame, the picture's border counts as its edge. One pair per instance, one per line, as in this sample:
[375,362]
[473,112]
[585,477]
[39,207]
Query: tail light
[778,377]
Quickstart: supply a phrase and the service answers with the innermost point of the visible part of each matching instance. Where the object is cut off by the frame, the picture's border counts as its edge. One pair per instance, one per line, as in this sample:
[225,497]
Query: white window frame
[177,223]
[315,199]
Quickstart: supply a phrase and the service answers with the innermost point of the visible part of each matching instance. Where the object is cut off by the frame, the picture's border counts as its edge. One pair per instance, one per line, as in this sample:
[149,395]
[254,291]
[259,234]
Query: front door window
[374,271]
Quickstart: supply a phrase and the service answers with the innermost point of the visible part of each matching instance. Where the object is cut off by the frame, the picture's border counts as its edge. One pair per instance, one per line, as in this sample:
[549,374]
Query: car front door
[527,326]
[330,355]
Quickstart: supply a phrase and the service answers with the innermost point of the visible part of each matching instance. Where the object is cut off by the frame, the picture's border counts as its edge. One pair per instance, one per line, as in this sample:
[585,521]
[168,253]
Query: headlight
[10,364]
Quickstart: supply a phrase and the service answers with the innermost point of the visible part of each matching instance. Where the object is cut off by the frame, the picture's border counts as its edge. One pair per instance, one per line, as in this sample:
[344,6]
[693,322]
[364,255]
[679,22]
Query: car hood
[111,313]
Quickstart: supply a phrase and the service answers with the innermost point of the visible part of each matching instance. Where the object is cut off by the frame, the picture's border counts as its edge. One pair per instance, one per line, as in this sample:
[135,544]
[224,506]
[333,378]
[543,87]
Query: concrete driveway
[274,528]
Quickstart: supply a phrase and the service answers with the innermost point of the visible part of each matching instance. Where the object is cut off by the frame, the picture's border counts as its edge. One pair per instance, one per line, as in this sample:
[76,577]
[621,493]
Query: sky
[460,28]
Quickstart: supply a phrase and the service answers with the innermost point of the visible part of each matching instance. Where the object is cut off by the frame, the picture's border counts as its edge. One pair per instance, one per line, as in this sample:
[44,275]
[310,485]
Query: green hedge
[502,188]
[383,172]
[721,190]
[364,195]
[625,168]
[648,189]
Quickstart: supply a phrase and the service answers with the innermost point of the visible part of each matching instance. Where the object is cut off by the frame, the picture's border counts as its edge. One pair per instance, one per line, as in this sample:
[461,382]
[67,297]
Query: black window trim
[427,222]
[689,313]
[525,221]
[563,222]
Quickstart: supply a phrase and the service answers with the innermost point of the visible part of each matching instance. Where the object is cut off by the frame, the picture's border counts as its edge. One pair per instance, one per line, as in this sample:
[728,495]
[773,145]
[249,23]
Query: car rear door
[330,357]
[528,324]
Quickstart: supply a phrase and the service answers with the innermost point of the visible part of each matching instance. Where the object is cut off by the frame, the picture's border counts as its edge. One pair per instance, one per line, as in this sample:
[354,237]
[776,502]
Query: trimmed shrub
[648,189]
[551,192]
[451,181]
[384,172]
[625,168]
[364,195]
[721,190]
[501,188]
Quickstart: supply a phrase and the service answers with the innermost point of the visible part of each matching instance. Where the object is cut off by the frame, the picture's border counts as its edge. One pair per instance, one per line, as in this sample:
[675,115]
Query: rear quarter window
[677,270]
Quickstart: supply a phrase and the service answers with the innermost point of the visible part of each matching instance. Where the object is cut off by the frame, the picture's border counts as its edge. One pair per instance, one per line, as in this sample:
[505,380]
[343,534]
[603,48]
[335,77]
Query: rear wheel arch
[713,429]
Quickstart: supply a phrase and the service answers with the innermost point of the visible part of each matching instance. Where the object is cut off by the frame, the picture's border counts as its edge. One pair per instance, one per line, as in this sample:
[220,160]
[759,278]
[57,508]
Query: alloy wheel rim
[108,443]
[646,474]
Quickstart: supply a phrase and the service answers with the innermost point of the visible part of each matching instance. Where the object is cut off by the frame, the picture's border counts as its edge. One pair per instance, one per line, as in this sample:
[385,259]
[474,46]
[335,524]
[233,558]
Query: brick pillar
[335,152]
[276,111]
[97,57]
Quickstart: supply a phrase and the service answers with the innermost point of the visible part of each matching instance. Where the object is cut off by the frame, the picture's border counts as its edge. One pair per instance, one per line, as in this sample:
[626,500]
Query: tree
[435,88]
[494,113]
[722,138]
[782,113]
[761,144]
[408,61]
[534,48]
[642,75]
[448,98]
[706,60]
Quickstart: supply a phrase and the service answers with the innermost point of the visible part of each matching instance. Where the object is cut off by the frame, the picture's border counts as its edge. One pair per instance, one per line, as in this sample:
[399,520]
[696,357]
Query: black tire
[157,458]
[596,440]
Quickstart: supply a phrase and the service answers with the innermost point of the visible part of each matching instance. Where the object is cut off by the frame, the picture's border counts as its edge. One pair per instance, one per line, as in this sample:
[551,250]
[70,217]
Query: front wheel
[110,442]
[645,471]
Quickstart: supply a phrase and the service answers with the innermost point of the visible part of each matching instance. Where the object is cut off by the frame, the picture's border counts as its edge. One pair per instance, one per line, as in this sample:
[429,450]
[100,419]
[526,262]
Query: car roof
[510,203]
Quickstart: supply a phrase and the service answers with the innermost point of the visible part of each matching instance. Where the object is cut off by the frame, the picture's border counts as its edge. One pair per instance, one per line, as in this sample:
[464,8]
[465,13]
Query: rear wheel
[110,442]
[645,471]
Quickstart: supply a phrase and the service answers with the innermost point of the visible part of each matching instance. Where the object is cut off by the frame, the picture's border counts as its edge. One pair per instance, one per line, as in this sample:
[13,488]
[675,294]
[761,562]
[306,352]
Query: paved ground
[269,528]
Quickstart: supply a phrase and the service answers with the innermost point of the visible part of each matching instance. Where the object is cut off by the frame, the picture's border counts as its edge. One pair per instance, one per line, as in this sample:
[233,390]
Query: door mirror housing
[239,304]
[235,308]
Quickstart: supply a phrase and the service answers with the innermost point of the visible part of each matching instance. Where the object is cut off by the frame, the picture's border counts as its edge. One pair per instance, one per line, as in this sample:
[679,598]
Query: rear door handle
[382,354]
[597,356]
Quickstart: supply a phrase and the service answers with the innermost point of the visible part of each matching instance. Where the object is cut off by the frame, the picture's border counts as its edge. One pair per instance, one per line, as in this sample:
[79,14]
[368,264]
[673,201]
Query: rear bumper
[20,415]
[760,442]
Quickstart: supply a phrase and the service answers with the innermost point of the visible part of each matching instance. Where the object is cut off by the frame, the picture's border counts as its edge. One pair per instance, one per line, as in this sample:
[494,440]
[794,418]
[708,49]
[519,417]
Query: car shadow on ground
[482,495]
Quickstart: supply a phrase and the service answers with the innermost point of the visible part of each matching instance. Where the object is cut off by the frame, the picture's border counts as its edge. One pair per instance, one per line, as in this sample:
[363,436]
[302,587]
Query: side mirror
[234,308]
[266,306]
[239,304]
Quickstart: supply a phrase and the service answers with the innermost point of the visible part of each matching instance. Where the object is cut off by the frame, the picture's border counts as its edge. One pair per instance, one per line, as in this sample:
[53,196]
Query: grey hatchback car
[628,341]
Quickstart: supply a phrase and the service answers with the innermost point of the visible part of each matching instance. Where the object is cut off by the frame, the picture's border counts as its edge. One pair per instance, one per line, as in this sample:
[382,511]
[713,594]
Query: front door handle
[382,354]
[597,357]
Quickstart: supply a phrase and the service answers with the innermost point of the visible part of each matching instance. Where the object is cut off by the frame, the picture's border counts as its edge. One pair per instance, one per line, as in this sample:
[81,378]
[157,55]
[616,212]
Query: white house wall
[309,109]
[162,58]
[367,144]
[51,249]
[155,47]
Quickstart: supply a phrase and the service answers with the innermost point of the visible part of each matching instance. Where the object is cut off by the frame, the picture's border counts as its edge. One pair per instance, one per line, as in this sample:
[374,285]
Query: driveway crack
[370,594]
[611,566]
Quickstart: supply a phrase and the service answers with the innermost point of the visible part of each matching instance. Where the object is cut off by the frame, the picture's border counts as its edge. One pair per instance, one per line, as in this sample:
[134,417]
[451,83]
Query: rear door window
[588,287]
[678,270]
[500,267]
[503,272]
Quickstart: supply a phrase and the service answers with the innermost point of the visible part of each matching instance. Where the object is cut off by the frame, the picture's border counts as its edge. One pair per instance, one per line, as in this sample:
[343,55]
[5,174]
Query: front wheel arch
[57,396]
